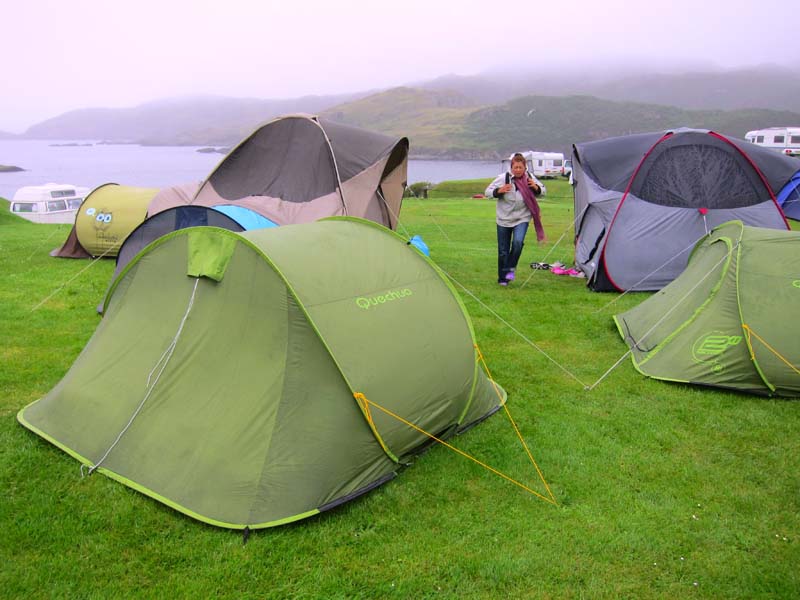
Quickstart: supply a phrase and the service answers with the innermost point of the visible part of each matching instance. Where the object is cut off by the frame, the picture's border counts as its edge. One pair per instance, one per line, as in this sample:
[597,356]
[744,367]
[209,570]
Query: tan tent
[299,168]
[170,197]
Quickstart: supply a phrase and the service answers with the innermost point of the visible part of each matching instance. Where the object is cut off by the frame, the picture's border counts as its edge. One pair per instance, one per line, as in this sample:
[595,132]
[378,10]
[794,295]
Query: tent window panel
[287,159]
[699,176]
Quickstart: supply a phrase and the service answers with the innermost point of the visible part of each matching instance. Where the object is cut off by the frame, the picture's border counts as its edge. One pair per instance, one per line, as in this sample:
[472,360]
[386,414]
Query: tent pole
[335,165]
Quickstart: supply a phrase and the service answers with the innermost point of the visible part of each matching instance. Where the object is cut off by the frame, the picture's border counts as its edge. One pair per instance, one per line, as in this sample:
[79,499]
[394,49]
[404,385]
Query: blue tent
[789,198]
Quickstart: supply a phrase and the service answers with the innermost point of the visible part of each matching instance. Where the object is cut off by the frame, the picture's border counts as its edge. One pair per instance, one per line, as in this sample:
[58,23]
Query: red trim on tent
[757,170]
[636,172]
[619,206]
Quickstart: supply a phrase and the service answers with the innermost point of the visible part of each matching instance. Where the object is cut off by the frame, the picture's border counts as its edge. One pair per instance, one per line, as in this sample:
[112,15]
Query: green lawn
[663,490]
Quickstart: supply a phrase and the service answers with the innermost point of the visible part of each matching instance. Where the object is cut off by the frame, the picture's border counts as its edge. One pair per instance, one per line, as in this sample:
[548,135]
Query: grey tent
[300,168]
[642,201]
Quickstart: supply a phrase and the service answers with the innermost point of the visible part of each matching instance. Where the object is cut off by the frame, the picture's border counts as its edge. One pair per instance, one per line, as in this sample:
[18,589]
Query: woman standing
[516,193]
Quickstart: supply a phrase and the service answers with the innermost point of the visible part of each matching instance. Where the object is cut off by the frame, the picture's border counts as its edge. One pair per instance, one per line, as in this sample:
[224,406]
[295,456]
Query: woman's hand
[532,184]
[505,188]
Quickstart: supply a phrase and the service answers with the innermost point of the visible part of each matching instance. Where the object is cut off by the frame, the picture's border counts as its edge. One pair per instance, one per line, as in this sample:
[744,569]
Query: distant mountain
[4,135]
[204,120]
[484,116]
[771,87]
[443,125]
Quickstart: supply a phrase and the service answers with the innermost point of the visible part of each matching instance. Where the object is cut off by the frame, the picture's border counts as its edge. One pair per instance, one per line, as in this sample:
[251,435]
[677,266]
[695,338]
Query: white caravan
[785,140]
[48,203]
[541,164]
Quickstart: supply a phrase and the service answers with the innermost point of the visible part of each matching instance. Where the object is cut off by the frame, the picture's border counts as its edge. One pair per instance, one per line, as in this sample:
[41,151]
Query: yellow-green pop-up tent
[252,379]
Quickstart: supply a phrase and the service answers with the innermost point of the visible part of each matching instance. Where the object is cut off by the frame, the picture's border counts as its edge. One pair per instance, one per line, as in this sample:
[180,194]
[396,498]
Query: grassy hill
[444,125]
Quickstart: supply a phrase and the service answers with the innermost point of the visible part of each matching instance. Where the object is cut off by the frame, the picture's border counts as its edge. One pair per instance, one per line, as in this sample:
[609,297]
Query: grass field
[663,490]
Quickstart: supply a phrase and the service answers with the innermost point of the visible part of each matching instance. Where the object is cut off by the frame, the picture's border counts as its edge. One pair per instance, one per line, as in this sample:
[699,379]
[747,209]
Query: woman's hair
[518,157]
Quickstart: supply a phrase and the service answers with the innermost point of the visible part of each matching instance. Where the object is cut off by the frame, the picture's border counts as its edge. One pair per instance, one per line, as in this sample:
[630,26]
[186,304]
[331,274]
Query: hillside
[438,130]
[481,117]
[206,120]
[769,87]
[434,121]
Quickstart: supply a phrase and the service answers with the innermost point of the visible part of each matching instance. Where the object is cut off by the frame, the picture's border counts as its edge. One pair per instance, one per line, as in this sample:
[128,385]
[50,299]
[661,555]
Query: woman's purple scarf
[528,196]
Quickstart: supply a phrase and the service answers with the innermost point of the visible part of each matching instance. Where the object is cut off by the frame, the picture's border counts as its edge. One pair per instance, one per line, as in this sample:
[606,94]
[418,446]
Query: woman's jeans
[509,248]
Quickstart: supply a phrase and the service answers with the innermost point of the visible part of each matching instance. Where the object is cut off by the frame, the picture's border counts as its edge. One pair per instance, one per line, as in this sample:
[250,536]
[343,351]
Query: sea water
[91,164]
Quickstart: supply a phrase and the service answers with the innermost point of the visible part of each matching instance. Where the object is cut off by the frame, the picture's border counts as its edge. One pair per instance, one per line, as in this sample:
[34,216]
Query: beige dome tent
[300,168]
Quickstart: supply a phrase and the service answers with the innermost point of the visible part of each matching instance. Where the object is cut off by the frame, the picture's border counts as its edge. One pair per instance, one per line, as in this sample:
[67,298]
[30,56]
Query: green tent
[730,319]
[244,378]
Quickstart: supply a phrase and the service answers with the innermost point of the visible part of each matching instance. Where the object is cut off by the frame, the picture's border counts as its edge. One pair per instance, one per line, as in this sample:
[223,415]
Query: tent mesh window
[792,202]
[699,176]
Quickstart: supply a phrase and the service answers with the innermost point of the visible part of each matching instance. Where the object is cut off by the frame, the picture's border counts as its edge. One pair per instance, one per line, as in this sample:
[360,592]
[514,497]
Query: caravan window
[74,203]
[24,207]
[557,162]
[795,139]
[62,193]
[778,139]
[53,205]
[759,139]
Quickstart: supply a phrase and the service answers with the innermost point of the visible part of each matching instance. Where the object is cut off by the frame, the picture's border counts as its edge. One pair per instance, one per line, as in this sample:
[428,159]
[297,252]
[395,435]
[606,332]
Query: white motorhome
[48,203]
[785,140]
[541,164]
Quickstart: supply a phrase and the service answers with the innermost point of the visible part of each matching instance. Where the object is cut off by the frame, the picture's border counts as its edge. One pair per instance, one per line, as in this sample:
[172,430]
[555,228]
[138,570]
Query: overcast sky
[60,55]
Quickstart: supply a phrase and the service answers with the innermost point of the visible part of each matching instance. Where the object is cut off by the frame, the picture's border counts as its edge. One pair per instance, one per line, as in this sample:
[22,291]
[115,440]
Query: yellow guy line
[514,424]
[360,396]
[364,403]
[770,348]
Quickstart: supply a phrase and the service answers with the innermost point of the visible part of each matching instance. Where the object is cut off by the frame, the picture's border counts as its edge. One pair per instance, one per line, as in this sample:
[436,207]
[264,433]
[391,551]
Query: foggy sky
[59,56]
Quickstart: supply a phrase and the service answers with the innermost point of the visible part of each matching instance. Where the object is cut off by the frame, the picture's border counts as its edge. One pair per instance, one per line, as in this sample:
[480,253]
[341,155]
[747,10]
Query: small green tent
[729,319]
[241,378]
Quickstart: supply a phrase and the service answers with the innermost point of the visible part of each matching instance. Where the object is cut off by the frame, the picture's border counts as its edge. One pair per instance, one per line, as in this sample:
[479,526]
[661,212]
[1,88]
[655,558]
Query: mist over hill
[483,116]
[192,120]
[770,86]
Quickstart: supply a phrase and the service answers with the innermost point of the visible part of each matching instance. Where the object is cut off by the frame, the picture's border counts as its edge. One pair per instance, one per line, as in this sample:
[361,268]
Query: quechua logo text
[368,302]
